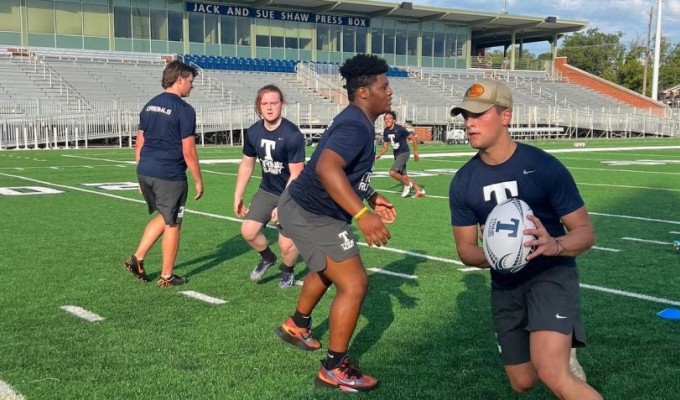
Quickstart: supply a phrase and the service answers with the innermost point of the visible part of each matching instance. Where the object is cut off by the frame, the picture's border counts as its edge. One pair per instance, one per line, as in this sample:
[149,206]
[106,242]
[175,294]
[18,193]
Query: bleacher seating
[240,63]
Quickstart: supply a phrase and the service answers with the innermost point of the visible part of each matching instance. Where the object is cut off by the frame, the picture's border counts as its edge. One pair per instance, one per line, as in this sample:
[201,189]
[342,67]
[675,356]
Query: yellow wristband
[360,213]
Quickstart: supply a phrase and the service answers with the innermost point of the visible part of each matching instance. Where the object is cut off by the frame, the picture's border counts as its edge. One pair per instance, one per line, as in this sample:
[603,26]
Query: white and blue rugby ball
[503,237]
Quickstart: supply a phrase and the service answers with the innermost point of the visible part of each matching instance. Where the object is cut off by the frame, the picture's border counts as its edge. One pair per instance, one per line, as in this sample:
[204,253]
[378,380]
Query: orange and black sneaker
[137,268]
[174,280]
[298,337]
[345,377]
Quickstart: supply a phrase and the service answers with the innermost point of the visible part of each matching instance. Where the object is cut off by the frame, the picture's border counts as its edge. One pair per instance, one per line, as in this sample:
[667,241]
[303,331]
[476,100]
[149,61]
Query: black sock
[301,320]
[268,255]
[333,359]
[288,269]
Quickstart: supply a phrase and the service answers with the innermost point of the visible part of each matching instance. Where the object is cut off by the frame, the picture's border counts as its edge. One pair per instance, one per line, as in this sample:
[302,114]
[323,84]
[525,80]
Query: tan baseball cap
[483,95]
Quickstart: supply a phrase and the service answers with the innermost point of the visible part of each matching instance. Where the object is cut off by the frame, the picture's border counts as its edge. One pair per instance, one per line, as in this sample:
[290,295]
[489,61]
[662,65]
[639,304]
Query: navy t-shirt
[530,174]
[351,135]
[166,120]
[275,150]
[397,138]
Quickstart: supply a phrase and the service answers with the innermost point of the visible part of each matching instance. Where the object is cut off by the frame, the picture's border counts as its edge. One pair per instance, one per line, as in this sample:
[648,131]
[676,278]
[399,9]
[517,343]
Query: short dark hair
[173,70]
[262,91]
[393,114]
[361,71]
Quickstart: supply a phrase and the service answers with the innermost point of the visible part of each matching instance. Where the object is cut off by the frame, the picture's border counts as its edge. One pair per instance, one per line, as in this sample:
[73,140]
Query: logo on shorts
[180,214]
[347,242]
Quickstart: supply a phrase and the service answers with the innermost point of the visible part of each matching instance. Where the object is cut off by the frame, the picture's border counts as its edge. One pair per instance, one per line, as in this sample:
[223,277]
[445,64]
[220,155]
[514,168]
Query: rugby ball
[503,237]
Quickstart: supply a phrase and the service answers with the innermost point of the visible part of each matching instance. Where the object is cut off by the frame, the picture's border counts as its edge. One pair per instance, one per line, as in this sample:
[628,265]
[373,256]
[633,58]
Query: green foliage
[594,52]
[669,67]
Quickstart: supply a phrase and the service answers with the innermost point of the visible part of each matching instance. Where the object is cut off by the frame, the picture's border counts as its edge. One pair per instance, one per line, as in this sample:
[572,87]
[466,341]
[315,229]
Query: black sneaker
[137,268]
[287,280]
[174,280]
[260,269]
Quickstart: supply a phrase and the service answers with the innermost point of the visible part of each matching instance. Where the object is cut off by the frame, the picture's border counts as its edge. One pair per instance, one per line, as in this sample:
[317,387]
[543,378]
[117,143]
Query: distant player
[279,146]
[398,137]
[165,148]
[536,311]
[316,211]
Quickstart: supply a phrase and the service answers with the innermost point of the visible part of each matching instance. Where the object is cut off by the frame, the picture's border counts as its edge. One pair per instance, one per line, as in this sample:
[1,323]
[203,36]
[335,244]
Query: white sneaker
[575,368]
[407,190]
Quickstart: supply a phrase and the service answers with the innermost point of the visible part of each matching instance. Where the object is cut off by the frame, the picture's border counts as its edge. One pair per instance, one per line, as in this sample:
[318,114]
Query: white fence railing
[79,128]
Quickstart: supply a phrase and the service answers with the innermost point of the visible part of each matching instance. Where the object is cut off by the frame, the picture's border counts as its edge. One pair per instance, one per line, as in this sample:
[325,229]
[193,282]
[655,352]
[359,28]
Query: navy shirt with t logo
[397,138]
[165,120]
[275,150]
[351,135]
[530,174]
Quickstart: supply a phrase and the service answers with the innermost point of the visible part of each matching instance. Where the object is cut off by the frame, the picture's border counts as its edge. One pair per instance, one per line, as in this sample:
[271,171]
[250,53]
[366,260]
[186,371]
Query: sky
[630,17]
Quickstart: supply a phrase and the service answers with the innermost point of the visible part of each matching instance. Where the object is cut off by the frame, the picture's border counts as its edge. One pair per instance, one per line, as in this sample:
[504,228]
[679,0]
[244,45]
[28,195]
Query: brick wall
[579,77]
[423,133]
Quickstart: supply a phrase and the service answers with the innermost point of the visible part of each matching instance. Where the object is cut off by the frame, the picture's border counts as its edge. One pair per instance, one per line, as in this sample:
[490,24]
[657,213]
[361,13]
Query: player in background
[316,211]
[397,136]
[536,311]
[165,148]
[279,146]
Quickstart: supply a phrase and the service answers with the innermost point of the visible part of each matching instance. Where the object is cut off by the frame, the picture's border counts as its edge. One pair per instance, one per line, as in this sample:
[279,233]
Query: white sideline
[445,260]
[8,393]
[82,313]
[203,297]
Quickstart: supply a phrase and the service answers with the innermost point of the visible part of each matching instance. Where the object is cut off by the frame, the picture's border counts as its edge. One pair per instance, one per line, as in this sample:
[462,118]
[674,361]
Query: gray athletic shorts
[400,163]
[547,302]
[316,236]
[166,197]
[261,206]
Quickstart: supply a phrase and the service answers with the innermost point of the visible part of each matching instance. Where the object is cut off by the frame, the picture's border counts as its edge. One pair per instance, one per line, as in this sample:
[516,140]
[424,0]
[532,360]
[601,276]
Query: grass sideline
[424,338]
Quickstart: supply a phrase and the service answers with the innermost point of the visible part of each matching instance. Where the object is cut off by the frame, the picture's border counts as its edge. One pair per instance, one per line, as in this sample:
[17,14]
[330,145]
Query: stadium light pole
[657,51]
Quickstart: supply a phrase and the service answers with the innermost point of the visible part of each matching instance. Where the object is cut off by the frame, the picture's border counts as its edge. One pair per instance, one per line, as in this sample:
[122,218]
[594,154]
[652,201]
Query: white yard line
[605,249]
[8,393]
[406,252]
[82,313]
[631,295]
[203,297]
[386,272]
[646,241]
[664,221]
[628,187]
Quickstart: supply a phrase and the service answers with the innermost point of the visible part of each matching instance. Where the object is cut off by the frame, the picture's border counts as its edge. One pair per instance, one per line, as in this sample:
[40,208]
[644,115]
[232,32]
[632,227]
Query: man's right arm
[138,145]
[467,244]
[382,151]
[191,159]
[245,172]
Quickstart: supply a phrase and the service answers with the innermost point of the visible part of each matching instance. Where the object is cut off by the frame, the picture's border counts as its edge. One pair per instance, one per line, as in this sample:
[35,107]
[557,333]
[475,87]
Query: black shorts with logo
[547,302]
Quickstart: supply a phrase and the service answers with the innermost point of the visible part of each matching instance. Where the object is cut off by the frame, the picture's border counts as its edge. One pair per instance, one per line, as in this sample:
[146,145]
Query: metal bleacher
[99,94]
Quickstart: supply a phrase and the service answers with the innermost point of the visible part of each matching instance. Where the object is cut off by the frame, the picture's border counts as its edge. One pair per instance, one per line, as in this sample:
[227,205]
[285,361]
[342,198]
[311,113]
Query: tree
[595,52]
[669,65]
